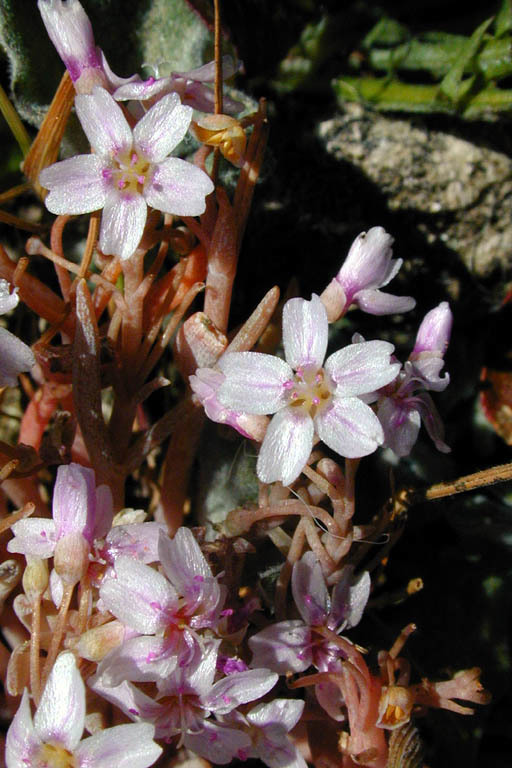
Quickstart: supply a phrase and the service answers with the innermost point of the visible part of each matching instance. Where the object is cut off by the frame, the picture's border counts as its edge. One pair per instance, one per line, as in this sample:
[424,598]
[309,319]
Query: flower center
[53,756]
[310,389]
[130,173]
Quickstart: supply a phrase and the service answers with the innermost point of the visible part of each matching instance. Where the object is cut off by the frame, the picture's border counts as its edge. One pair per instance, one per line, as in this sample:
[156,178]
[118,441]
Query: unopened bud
[96,643]
[71,557]
[35,578]
[224,132]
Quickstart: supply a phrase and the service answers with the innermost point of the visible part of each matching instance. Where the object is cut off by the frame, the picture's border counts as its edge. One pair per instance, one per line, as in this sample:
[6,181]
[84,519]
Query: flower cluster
[197,639]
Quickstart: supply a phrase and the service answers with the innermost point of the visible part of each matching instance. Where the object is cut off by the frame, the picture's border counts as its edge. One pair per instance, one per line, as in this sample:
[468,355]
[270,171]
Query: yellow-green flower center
[52,755]
[310,389]
[131,172]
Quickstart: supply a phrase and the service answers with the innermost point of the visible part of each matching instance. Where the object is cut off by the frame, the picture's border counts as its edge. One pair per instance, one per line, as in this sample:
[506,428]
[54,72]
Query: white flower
[306,397]
[129,170]
[54,736]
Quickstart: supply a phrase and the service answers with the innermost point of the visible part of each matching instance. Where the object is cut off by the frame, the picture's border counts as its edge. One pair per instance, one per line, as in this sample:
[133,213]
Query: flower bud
[70,31]
[35,578]
[71,557]
[434,332]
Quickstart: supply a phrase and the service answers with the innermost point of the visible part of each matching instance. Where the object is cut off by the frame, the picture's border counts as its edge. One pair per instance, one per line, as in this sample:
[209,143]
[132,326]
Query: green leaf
[453,86]
[503,23]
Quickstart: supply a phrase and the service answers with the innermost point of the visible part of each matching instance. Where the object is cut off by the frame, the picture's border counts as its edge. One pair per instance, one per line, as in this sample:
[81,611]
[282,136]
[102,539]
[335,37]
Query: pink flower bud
[434,332]
[70,31]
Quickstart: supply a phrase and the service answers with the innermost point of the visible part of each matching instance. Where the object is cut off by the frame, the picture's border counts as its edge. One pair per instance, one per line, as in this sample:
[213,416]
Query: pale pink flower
[79,510]
[128,171]
[167,609]
[54,736]
[191,704]
[193,87]
[15,356]
[368,267]
[306,396]
[405,403]
[70,31]
[296,644]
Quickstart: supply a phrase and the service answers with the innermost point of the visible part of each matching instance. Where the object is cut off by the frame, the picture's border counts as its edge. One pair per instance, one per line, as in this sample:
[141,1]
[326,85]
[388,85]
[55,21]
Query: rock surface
[461,192]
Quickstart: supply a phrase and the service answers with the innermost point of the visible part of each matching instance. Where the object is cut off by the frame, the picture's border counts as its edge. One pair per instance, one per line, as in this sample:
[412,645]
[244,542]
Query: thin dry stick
[480,479]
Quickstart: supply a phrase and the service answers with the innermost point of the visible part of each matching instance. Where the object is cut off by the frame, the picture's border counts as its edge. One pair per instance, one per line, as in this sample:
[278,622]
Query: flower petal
[401,424]
[350,428]
[379,303]
[139,596]
[162,128]
[178,187]
[239,688]
[122,224]
[125,746]
[216,743]
[253,382]
[76,185]
[34,536]
[283,712]
[286,446]
[104,123]
[139,659]
[15,357]
[22,741]
[305,330]
[309,590]
[361,368]
[60,716]
[283,647]
[74,501]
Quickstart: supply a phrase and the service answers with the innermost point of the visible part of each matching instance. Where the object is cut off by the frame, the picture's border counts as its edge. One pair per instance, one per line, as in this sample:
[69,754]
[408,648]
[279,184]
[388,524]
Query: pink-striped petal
[286,446]
[125,746]
[305,330]
[350,428]
[361,368]
[253,382]
[34,536]
[122,224]
[76,185]
[239,688]
[162,128]
[139,596]
[104,123]
[401,424]
[139,659]
[283,712]
[218,744]
[178,187]
[60,716]
[283,647]
[309,590]
[22,741]
[379,303]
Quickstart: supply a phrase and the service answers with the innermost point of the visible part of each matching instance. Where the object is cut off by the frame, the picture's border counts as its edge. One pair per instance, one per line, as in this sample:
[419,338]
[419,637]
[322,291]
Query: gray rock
[459,192]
